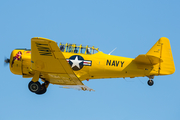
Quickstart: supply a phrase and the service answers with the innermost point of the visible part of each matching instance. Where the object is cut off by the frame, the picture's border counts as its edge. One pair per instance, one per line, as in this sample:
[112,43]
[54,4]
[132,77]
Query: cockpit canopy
[73,48]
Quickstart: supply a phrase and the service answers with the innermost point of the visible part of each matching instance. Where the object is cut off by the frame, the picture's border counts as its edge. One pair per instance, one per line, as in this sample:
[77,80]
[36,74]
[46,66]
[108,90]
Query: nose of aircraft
[15,61]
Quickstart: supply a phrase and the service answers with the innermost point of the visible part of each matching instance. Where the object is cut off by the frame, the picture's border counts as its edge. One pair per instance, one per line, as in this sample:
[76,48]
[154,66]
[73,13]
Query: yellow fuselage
[102,66]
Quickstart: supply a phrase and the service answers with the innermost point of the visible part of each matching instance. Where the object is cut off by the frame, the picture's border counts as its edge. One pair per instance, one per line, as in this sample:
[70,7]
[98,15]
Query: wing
[47,58]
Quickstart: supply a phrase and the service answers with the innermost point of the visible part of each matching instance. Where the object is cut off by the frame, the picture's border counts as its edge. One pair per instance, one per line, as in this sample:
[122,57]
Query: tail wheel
[150,82]
[34,86]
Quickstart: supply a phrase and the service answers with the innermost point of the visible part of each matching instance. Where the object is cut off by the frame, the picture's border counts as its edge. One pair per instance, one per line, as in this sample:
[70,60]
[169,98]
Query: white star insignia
[76,62]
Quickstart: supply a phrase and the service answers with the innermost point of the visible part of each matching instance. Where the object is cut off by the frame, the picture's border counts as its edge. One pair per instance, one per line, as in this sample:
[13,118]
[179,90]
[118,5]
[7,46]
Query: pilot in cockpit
[88,51]
[62,48]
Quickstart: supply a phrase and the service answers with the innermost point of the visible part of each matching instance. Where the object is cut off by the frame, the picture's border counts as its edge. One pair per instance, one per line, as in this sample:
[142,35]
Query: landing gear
[43,88]
[37,88]
[34,86]
[150,81]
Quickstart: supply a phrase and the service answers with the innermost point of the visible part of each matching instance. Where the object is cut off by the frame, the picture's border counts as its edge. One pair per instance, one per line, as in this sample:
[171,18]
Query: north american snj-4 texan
[70,64]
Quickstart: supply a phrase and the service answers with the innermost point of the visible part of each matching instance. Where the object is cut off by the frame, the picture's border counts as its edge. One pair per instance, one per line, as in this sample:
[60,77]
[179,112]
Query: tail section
[162,50]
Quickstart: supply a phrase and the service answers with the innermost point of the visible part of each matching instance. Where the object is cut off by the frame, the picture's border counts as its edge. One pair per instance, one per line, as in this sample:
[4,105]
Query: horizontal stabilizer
[148,59]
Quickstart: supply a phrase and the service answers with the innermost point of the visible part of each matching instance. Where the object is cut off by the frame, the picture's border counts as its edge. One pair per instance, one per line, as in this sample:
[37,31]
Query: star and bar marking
[77,62]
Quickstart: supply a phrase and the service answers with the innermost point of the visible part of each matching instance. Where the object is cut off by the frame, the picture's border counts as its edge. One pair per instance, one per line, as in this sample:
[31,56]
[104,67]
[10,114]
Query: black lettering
[122,62]
[117,63]
[108,62]
[39,44]
[113,63]
[45,53]
[39,48]
[43,49]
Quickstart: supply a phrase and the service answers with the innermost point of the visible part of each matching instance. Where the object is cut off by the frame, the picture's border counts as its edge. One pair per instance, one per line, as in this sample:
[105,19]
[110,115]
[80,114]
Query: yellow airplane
[69,64]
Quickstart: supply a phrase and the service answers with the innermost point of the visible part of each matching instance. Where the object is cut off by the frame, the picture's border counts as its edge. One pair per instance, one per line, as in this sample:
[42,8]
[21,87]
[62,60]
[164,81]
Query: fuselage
[94,66]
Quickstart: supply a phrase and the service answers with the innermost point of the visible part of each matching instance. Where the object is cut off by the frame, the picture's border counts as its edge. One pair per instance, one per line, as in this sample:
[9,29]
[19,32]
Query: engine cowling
[20,62]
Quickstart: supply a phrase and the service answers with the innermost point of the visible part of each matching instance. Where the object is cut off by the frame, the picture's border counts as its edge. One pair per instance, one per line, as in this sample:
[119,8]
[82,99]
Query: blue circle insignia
[76,62]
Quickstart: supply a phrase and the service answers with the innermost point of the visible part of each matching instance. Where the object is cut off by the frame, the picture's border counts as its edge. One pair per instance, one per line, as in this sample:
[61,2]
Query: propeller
[6,61]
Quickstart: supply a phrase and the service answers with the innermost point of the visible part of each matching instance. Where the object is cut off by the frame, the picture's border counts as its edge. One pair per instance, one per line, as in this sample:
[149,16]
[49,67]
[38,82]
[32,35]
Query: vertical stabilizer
[162,50]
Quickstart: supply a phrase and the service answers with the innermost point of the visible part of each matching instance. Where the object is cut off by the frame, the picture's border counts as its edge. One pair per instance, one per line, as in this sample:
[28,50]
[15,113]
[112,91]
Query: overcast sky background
[133,26]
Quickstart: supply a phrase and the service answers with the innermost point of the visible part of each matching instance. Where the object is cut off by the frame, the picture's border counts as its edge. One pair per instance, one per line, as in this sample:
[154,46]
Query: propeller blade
[6,61]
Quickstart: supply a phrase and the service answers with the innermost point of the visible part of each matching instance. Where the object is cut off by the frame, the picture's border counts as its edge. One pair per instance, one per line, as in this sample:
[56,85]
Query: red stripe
[87,62]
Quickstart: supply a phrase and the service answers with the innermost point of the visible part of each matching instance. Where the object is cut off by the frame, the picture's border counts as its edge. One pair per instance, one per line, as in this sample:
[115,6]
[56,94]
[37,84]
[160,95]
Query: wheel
[150,82]
[34,86]
[42,90]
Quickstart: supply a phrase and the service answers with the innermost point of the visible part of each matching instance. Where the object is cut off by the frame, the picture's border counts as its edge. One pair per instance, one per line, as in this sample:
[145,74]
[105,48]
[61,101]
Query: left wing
[47,59]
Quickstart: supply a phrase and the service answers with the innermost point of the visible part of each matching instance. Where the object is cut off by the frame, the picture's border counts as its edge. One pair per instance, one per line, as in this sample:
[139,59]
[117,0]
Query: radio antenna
[112,51]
